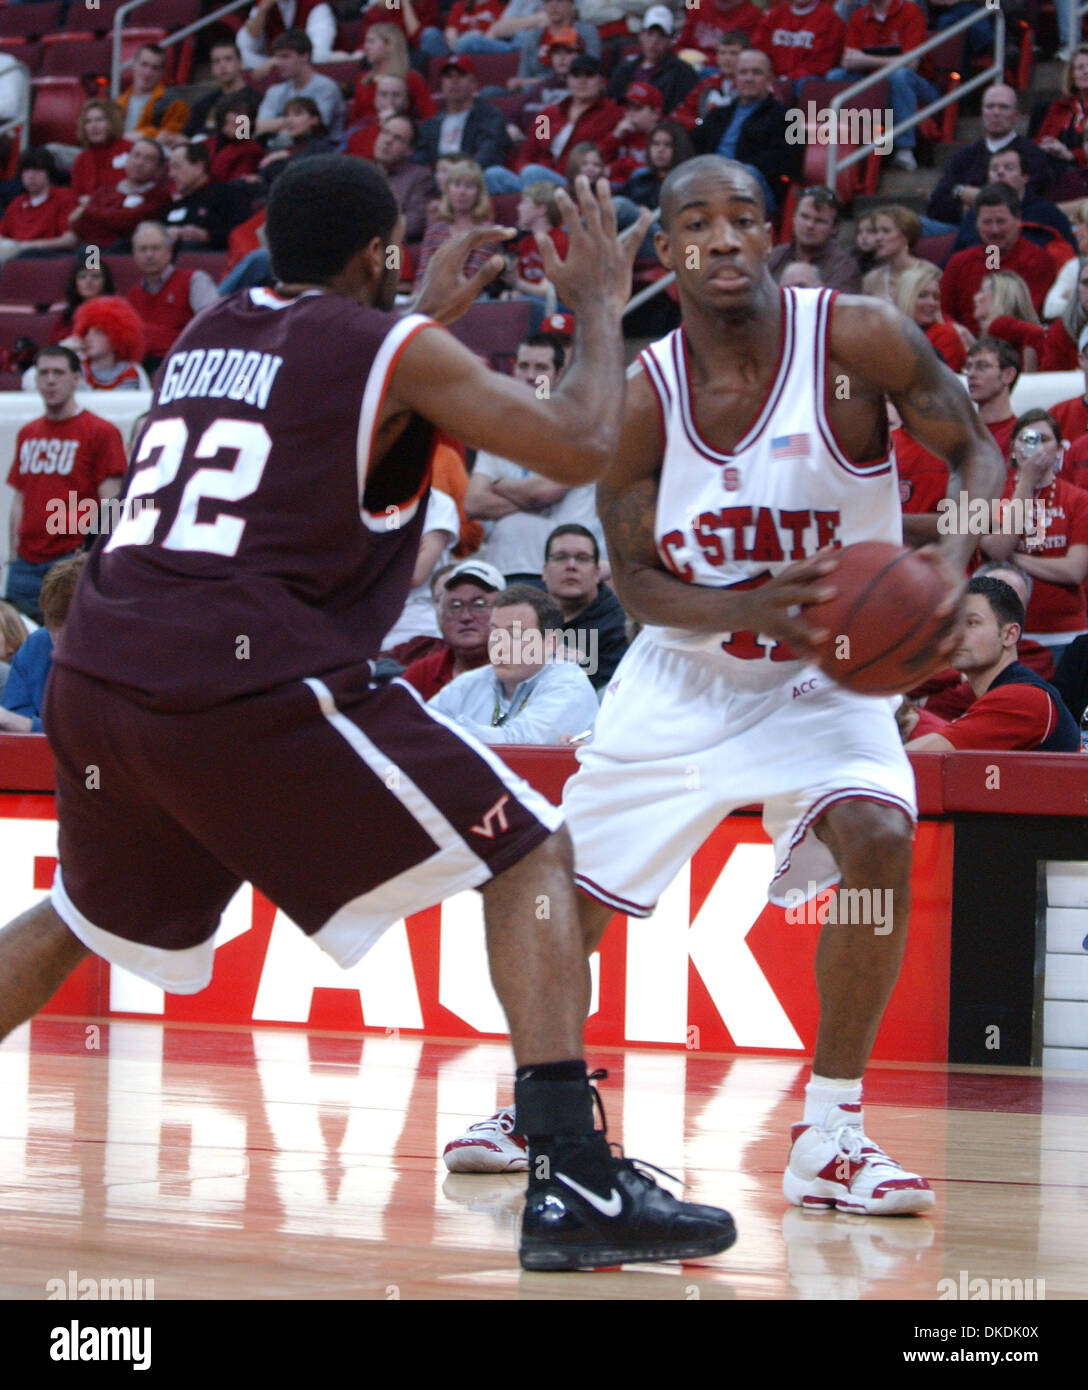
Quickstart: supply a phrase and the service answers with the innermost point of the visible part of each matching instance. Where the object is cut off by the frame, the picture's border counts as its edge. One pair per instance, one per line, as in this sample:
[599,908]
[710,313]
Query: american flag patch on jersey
[790,446]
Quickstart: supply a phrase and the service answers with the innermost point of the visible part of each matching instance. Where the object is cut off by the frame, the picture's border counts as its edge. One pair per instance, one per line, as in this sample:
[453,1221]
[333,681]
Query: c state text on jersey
[226,372]
[769,534]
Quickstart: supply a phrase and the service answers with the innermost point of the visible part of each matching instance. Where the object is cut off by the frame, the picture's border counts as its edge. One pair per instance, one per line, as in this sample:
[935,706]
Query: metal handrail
[179,36]
[995,70]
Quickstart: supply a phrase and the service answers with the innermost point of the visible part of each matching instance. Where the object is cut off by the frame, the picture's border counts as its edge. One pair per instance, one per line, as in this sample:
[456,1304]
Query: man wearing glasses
[814,226]
[464,615]
[592,616]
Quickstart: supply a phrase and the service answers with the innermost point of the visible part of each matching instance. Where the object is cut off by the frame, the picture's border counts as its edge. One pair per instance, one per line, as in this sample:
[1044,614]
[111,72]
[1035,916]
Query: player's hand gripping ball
[887,621]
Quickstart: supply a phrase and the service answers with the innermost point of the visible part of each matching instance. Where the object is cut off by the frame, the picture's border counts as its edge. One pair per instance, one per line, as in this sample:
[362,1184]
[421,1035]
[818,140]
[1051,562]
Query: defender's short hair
[321,211]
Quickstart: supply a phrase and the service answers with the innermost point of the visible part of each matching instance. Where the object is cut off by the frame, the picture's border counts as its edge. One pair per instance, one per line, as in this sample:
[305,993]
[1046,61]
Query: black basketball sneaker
[587,1207]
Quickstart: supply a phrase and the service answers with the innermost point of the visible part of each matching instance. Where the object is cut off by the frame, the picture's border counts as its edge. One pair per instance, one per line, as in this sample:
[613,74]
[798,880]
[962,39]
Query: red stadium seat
[29,21]
[124,272]
[11,381]
[36,327]
[67,55]
[944,68]
[935,248]
[214,262]
[34,281]
[492,69]
[859,177]
[26,51]
[349,35]
[57,104]
[493,330]
[168,14]
[342,73]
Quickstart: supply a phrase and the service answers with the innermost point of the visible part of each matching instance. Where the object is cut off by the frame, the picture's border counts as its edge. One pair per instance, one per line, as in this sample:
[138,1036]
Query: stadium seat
[861,177]
[11,381]
[505,208]
[493,330]
[69,55]
[30,21]
[28,52]
[349,35]
[945,71]
[168,14]
[214,262]
[57,104]
[511,107]
[342,73]
[36,327]
[124,272]
[34,281]
[935,248]
[492,69]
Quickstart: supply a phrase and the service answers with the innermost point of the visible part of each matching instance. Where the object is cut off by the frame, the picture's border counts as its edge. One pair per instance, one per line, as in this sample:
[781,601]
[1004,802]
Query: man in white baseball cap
[655,62]
[464,604]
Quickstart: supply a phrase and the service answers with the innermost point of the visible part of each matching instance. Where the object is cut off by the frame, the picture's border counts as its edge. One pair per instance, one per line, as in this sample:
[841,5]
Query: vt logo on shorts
[496,815]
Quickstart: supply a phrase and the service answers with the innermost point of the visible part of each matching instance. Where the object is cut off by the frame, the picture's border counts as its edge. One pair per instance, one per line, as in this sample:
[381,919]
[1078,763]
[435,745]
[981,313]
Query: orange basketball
[882,621]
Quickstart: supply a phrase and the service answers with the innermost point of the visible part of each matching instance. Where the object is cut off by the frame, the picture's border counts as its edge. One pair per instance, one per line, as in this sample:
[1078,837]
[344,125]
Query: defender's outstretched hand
[598,260]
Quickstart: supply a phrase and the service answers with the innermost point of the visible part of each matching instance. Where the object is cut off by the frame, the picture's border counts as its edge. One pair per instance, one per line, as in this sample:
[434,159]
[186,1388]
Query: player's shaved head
[695,179]
[321,212]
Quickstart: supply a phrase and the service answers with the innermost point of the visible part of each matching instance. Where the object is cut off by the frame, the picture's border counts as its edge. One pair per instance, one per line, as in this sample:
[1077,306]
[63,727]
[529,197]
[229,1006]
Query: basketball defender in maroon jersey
[754,439]
[216,672]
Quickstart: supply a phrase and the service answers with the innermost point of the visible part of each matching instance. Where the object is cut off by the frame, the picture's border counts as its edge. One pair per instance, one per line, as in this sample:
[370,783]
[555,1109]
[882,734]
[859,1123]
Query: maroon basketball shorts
[349,806]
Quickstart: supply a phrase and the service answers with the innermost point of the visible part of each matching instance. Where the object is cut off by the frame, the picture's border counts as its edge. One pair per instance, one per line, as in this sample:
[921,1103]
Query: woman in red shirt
[1004,310]
[918,295]
[1063,125]
[1044,520]
[101,162]
[387,52]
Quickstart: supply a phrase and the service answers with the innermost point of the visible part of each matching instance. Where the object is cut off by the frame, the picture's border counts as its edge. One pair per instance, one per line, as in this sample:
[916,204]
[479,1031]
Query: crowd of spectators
[993,270]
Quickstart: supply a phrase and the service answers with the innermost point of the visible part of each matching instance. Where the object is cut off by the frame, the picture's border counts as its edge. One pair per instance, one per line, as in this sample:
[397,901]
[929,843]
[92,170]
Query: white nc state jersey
[786,490]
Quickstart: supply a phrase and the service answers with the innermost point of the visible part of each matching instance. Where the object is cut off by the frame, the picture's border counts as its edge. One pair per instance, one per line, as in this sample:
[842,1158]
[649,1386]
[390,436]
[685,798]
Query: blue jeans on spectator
[433,43]
[980,37]
[254,269]
[25,584]
[480,43]
[908,92]
[931,227]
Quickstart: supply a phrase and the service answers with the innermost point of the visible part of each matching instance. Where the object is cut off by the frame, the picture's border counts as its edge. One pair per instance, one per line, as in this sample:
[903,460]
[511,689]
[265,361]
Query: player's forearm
[921,528]
[589,400]
[656,598]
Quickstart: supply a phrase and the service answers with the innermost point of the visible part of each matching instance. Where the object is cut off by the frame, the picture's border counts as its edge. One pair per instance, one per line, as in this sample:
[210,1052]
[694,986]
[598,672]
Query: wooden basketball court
[281,1164]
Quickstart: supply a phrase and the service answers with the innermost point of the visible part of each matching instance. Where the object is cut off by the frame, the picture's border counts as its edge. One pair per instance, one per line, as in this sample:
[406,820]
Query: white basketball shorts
[680,742]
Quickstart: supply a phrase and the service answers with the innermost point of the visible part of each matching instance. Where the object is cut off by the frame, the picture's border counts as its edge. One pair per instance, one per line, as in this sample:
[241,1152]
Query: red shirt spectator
[964,273]
[474,18]
[1072,416]
[595,124]
[802,41]
[1055,607]
[27,220]
[53,459]
[99,166]
[707,22]
[1002,433]
[923,477]
[421,104]
[947,343]
[903,27]
[530,265]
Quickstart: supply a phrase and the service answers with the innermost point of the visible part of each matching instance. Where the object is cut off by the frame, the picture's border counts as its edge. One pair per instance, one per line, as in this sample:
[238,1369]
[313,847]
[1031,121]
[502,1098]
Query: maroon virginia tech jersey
[244,558]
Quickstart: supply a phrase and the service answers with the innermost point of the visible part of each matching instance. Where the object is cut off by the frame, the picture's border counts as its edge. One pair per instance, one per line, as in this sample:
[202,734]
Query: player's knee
[874,842]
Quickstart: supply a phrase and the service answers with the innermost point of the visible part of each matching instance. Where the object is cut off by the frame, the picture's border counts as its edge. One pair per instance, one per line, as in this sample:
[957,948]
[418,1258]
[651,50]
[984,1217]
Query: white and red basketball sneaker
[836,1166]
[490,1146]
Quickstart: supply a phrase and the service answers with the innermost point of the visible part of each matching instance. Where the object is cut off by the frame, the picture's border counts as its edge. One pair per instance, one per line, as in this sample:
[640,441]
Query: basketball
[882,623]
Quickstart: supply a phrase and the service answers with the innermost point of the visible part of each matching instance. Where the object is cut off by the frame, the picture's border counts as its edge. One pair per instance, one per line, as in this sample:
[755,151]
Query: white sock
[823,1092]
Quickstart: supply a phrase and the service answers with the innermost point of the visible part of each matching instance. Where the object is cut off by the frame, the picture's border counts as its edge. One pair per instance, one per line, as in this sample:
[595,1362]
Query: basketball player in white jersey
[755,439]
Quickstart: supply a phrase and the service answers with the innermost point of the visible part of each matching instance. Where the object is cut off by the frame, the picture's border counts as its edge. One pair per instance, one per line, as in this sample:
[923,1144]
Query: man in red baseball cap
[467,124]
